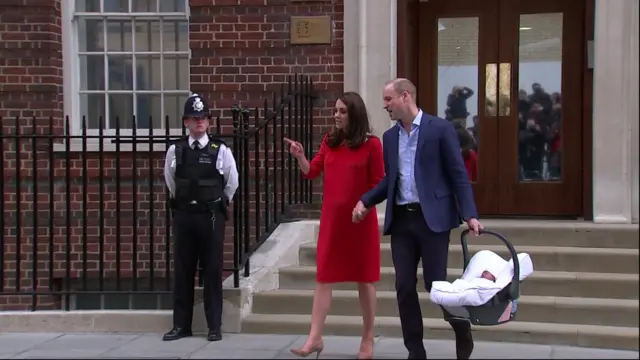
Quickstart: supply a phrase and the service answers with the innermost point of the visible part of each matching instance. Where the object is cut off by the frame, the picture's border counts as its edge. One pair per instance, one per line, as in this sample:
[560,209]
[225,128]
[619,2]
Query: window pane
[119,35]
[173,107]
[458,83]
[92,72]
[147,36]
[90,33]
[176,73]
[121,109]
[172,6]
[92,106]
[120,72]
[116,5]
[87,5]
[148,72]
[539,105]
[175,36]
[146,5]
[149,110]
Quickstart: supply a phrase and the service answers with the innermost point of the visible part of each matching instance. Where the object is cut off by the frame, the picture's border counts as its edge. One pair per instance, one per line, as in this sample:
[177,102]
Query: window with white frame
[132,60]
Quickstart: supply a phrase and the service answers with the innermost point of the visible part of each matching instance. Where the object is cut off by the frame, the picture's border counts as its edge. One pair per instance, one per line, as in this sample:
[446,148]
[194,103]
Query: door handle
[504,89]
[491,89]
[497,89]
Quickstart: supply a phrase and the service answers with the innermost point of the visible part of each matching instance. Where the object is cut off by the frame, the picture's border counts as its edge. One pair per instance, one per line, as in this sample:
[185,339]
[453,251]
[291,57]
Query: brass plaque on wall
[310,30]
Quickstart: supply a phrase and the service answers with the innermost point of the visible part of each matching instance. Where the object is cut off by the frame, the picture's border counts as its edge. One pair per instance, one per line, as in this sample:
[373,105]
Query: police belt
[195,206]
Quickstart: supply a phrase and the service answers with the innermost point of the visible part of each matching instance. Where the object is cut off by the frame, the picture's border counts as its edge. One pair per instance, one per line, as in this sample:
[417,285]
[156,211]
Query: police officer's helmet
[196,107]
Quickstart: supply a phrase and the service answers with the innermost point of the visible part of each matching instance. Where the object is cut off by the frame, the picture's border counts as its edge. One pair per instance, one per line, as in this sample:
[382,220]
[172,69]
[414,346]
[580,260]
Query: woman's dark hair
[358,127]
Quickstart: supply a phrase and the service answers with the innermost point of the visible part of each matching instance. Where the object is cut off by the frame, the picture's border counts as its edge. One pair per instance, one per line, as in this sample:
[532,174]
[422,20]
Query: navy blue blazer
[441,178]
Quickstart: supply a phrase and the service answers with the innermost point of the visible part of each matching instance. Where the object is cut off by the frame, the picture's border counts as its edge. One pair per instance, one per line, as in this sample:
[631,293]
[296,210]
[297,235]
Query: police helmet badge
[198,105]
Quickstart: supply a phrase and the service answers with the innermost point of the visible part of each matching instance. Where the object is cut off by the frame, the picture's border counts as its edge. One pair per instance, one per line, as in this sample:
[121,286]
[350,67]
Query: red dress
[471,163]
[347,252]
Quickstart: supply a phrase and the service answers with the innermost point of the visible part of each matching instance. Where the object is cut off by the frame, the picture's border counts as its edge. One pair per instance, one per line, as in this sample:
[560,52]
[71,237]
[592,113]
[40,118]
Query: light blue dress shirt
[408,143]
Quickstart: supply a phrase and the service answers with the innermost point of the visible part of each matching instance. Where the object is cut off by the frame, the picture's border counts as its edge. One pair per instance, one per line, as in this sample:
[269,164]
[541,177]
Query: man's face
[394,104]
[197,125]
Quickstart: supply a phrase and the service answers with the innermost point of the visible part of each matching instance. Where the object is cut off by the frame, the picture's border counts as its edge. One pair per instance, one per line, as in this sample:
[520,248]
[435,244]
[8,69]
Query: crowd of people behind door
[539,132]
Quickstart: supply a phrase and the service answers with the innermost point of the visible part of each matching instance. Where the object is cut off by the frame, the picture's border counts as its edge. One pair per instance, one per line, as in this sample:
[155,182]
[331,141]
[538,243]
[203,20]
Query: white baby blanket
[472,289]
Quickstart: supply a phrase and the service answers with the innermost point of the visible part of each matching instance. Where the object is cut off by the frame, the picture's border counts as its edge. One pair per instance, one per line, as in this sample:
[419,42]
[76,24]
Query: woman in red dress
[469,155]
[351,160]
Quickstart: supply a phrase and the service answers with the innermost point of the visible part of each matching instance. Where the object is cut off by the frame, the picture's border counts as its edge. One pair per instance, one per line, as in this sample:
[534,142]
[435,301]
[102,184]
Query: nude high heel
[300,352]
[364,355]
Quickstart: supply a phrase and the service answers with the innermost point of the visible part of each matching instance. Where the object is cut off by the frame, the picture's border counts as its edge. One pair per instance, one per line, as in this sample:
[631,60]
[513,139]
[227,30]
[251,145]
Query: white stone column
[615,112]
[370,56]
[370,53]
[634,110]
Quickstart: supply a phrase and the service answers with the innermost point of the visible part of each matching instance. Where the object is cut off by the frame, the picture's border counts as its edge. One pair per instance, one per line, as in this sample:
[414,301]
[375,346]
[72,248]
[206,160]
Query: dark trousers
[411,241]
[196,237]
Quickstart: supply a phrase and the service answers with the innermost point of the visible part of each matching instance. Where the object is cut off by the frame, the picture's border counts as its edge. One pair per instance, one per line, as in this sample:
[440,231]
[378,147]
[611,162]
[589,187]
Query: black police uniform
[199,214]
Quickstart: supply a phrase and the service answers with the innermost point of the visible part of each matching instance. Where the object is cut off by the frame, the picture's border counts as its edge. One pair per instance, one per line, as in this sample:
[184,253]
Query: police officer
[202,177]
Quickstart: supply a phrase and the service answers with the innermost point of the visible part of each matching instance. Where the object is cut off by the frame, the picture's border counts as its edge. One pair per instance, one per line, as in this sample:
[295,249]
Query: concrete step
[549,309]
[545,258]
[540,283]
[516,331]
[554,233]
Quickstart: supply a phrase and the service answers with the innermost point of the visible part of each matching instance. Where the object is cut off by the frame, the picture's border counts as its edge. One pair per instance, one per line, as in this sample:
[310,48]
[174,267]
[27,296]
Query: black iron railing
[84,216]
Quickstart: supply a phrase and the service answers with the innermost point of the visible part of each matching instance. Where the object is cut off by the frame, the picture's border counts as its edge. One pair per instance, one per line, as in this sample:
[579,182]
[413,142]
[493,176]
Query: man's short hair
[401,85]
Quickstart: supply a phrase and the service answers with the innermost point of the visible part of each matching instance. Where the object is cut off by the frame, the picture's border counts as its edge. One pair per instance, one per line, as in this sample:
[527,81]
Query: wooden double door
[509,74]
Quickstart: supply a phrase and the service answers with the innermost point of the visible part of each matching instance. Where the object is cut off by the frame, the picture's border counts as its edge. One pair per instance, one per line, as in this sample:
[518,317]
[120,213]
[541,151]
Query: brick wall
[30,86]
[240,53]
[30,58]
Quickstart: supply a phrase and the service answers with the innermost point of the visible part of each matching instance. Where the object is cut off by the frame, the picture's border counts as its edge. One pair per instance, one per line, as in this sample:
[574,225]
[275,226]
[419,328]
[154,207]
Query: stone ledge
[280,250]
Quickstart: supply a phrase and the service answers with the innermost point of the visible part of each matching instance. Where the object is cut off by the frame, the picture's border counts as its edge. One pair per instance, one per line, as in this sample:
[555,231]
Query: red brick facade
[240,52]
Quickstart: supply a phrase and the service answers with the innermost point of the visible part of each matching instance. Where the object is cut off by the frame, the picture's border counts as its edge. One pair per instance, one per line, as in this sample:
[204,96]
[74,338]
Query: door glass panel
[458,83]
[539,97]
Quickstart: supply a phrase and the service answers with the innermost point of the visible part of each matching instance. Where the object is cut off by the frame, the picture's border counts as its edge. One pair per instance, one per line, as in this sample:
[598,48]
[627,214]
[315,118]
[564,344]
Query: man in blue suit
[428,192]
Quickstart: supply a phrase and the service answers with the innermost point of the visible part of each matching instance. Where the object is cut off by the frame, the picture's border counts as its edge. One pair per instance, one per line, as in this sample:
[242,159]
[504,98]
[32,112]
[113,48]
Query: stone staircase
[583,292]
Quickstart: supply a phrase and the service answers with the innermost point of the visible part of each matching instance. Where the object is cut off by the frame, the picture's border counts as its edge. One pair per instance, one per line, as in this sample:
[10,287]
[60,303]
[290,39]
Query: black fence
[85,217]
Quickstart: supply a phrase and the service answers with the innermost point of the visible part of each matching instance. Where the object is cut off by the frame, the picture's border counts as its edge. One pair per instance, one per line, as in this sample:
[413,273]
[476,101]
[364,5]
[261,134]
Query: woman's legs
[367,295]
[321,305]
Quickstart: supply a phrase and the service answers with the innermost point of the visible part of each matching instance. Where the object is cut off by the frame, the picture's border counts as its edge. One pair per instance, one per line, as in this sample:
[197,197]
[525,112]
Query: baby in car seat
[513,305]
[487,275]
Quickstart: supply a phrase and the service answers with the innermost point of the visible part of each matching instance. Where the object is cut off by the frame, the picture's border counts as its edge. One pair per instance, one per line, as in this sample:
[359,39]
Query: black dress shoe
[177,333]
[214,335]
[417,356]
[464,345]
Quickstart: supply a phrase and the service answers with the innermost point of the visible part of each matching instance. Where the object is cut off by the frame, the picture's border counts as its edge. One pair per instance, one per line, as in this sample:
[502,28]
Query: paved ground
[241,346]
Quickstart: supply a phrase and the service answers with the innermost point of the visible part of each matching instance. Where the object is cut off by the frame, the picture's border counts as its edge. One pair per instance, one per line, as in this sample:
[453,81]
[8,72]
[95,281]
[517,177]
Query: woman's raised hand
[295,148]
